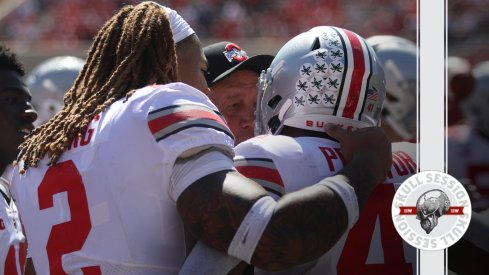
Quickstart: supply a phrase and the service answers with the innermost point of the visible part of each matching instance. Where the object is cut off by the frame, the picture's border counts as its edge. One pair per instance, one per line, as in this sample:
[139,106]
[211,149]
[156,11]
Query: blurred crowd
[65,24]
[68,25]
[58,24]
[468,29]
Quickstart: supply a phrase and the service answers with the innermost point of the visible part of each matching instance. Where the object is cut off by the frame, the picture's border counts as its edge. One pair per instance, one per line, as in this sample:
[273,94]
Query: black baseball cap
[226,57]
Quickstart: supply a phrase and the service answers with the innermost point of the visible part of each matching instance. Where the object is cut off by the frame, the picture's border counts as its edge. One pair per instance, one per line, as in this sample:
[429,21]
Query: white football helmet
[398,57]
[478,102]
[324,75]
[49,81]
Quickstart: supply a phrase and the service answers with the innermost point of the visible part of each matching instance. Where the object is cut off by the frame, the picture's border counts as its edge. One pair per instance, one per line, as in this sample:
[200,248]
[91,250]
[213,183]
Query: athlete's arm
[303,224]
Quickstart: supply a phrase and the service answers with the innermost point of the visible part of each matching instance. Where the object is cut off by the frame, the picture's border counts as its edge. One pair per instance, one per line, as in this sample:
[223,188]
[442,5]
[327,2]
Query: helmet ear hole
[391,98]
[274,123]
[272,103]
[316,45]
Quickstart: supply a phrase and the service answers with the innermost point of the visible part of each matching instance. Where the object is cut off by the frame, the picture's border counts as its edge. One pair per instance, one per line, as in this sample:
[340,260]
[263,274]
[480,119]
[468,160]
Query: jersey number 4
[69,236]
[353,259]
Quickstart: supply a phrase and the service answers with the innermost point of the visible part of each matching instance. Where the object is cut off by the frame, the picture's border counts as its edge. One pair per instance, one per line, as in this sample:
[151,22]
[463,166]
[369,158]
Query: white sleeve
[187,171]
[180,118]
[182,122]
[254,162]
[207,261]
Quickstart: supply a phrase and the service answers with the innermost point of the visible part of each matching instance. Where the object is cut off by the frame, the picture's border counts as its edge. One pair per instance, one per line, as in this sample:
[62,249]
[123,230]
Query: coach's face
[192,63]
[235,97]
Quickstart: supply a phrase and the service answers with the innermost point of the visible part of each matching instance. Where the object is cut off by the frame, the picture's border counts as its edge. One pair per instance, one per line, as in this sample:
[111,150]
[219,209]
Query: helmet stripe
[370,69]
[357,76]
[339,104]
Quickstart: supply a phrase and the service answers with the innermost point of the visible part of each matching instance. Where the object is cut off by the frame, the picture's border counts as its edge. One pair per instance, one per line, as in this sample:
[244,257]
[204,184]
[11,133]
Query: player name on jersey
[402,163]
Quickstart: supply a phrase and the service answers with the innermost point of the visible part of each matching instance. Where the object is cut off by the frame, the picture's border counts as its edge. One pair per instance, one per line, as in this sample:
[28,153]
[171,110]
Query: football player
[49,81]
[349,93]
[468,161]
[16,121]
[325,75]
[398,57]
[109,184]
[468,144]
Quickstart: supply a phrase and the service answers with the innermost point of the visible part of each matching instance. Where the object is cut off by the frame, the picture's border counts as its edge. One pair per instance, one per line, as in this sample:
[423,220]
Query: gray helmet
[324,75]
[49,81]
[478,103]
[398,57]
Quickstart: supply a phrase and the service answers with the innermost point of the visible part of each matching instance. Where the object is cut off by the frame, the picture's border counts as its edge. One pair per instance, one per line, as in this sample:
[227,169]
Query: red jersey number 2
[353,259]
[69,236]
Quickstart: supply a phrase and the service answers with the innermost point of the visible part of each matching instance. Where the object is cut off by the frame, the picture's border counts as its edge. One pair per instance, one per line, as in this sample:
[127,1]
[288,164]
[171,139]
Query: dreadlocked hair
[135,48]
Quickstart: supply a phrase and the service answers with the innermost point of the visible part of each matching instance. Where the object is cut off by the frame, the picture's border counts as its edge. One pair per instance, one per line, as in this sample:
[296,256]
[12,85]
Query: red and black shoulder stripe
[263,171]
[170,120]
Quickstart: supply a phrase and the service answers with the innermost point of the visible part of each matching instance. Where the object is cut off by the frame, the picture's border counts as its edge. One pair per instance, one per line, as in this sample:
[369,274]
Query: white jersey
[12,241]
[109,205]
[468,157]
[283,164]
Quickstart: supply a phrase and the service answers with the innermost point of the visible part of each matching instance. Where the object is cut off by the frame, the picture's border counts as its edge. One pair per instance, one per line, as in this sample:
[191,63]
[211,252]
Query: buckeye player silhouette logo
[431,210]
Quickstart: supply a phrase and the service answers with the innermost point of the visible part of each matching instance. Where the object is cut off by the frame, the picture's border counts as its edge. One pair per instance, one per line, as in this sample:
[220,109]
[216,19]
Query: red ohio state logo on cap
[234,52]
